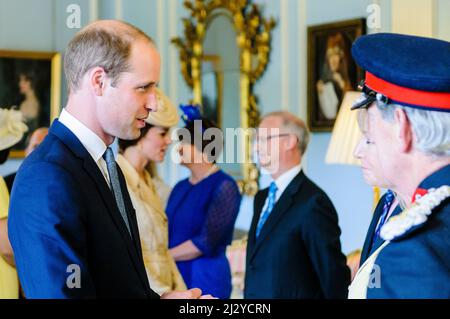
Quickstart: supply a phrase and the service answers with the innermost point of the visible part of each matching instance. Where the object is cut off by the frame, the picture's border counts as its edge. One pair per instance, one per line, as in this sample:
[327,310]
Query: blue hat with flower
[191,112]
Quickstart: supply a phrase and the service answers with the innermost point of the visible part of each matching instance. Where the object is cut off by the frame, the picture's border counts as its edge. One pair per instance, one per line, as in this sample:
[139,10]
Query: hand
[338,78]
[193,293]
[319,86]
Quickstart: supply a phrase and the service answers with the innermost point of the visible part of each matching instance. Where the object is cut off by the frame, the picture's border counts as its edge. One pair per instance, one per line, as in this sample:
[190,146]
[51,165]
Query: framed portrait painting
[30,82]
[331,70]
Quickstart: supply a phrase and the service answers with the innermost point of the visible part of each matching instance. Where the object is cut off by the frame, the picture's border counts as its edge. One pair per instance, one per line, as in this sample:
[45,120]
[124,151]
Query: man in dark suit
[72,225]
[293,248]
[406,98]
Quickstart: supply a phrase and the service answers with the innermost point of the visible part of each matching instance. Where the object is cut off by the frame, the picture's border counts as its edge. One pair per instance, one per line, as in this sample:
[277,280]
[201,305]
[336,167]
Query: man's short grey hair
[431,128]
[294,125]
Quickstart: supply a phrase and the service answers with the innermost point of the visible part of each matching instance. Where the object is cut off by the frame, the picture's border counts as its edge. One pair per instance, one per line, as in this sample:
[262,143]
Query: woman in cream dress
[12,130]
[134,159]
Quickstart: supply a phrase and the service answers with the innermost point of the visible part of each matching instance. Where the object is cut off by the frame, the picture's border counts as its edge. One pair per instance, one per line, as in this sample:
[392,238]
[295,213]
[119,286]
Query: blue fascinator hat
[190,113]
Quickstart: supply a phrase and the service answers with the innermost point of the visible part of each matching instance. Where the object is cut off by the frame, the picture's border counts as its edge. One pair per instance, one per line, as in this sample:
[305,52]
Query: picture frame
[31,83]
[331,70]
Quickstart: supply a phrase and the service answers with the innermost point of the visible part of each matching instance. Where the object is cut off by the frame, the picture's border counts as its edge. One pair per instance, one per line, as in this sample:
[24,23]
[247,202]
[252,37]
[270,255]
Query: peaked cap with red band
[402,69]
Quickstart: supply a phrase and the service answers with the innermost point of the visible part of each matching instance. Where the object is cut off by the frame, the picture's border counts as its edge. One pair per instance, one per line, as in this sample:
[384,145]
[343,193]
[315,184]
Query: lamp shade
[346,133]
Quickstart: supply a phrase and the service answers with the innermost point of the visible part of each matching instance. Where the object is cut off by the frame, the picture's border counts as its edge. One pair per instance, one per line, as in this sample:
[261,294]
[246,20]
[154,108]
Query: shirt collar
[286,178]
[91,141]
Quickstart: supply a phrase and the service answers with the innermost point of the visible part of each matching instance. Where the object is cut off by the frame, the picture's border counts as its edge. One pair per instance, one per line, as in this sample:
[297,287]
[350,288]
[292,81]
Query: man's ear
[404,132]
[97,79]
[291,142]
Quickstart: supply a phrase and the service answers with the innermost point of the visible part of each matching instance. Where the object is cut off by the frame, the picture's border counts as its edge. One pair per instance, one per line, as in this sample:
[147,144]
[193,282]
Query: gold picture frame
[30,82]
[331,70]
[253,36]
[212,105]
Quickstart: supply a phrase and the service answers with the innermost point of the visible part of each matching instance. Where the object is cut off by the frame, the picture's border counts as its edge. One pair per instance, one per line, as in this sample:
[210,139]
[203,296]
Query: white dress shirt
[282,183]
[91,141]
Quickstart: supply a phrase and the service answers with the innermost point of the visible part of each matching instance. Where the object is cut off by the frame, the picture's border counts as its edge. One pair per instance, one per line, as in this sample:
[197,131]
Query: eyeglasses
[268,138]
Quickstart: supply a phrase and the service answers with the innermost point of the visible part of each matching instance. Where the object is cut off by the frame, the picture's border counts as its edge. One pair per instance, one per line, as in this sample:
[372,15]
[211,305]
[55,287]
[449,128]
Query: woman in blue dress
[202,211]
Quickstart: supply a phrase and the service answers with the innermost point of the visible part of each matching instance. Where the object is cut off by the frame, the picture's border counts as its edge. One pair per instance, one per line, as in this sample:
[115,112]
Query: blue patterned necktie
[271,202]
[115,185]
[388,200]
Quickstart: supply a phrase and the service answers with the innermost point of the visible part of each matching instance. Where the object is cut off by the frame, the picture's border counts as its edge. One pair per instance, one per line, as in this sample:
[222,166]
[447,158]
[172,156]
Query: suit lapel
[379,241]
[107,196]
[368,241]
[132,219]
[132,244]
[130,214]
[279,210]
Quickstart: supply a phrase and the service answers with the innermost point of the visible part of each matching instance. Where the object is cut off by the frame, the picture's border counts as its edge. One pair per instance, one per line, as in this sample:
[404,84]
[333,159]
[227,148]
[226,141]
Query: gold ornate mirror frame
[253,36]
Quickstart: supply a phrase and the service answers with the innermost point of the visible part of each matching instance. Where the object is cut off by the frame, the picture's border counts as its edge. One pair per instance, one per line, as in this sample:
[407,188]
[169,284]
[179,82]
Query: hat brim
[9,141]
[166,116]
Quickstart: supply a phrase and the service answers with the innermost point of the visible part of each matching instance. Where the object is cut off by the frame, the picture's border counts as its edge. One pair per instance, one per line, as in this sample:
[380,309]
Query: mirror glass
[221,84]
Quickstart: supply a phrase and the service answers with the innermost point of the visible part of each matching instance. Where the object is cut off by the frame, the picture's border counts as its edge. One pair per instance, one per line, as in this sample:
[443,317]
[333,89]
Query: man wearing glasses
[293,249]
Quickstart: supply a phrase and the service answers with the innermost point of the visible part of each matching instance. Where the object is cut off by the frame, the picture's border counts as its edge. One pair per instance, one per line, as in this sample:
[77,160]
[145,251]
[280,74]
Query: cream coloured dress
[9,283]
[359,285]
[162,272]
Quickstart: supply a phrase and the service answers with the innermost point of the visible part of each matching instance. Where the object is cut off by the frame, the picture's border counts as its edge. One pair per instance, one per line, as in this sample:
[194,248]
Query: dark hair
[124,144]
[4,155]
[31,77]
[196,130]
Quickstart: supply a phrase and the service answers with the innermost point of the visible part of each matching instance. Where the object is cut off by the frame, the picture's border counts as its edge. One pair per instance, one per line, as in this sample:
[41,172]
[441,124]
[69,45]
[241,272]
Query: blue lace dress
[205,213]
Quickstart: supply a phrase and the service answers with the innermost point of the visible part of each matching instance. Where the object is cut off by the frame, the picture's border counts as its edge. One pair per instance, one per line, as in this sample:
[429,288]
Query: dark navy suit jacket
[9,180]
[68,236]
[298,252]
[417,264]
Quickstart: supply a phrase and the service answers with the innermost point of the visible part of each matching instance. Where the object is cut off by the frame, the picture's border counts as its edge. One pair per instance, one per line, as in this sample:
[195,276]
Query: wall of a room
[42,27]
[344,184]
[284,87]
